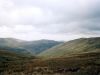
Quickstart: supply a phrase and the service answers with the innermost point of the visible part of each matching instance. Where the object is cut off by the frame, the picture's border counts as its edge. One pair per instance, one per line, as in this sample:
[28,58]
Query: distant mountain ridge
[40,45]
[77,46]
[26,47]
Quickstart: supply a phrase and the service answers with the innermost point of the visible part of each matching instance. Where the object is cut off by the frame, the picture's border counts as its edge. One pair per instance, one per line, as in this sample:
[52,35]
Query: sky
[49,19]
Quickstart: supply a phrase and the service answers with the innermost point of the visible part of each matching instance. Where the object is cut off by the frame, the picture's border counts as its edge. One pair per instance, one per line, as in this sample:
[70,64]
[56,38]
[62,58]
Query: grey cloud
[53,16]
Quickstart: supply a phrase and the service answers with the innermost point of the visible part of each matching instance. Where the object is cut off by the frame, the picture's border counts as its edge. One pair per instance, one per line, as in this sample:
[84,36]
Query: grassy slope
[10,60]
[86,64]
[73,47]
[6,56]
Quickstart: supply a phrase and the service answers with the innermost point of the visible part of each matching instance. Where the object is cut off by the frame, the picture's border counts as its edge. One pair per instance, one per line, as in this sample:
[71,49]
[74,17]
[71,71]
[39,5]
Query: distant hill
[73,47]
[39,45]
[13,45]
[26,47]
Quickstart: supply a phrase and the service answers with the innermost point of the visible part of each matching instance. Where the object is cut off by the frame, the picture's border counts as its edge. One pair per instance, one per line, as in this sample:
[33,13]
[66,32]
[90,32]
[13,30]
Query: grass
[79,64]
[77,46]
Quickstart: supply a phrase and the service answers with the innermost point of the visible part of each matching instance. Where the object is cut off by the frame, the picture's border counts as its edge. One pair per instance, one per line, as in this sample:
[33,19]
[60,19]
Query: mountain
[26,47]
[13,45]
[76,57]
[10,42]
[39,45]
[73,47]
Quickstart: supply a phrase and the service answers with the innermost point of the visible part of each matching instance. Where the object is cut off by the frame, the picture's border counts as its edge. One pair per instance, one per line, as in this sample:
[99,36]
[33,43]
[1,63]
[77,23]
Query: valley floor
[81,64]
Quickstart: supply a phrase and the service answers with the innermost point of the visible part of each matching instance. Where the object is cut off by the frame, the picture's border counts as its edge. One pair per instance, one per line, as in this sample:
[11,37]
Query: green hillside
[11,60]
[82,45]
[6,56]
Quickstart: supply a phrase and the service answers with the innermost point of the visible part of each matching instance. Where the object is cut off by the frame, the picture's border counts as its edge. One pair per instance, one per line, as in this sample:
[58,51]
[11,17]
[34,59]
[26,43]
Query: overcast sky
[49,19]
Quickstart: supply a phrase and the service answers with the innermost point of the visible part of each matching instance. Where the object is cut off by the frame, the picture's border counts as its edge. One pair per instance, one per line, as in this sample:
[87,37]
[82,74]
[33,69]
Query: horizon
[48,39]
[59,20]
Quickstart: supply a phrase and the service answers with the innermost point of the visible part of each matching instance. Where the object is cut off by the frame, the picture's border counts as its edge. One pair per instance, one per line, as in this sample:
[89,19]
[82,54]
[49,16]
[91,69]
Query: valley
[75,57]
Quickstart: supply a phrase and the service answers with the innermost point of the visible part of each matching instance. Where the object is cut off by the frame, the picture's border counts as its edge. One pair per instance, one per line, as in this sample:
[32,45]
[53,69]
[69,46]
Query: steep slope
[73,47]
